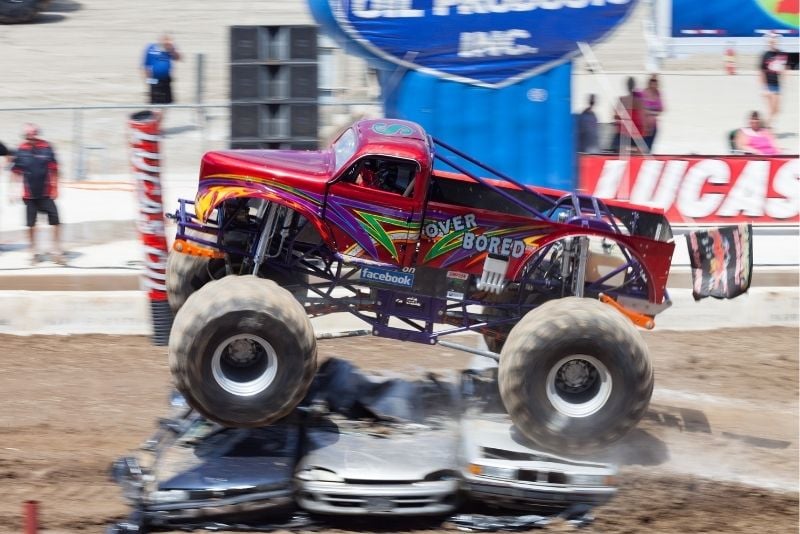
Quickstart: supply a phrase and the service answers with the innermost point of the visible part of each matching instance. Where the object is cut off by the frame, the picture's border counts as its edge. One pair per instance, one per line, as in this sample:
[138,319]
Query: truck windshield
[344,148]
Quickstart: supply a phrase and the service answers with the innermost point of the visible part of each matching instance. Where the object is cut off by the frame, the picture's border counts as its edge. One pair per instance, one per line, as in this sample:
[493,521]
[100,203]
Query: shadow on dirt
[755,441]
[683,419]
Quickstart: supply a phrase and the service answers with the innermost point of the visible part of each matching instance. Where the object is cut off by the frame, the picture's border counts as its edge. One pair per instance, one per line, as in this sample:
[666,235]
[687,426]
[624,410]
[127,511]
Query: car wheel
[242,351]
[575,375]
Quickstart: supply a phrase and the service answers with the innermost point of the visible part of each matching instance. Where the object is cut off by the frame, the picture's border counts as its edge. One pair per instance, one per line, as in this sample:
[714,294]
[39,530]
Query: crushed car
[384,446]
[358,445]
[500,468]
[194,470]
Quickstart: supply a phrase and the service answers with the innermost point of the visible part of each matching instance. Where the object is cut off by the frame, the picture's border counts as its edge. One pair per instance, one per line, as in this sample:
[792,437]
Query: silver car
[359,468]
[499,468]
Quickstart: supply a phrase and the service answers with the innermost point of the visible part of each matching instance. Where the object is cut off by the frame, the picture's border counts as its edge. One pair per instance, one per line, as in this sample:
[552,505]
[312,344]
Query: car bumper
[518,493]
[419,498]
[269,501]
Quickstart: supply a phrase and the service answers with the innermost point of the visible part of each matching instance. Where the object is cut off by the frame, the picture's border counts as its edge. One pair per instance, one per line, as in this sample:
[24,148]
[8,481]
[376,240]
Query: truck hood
[282,165]
[263,173]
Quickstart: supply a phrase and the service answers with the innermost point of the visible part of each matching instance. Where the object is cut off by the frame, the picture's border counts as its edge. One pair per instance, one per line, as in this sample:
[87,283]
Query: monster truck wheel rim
[244,365]
[578,385]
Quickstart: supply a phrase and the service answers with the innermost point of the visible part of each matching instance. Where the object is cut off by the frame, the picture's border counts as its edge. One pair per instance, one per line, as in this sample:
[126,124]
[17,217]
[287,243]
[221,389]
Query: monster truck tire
[242,351]
[18,11]
[186,274]
[575,375]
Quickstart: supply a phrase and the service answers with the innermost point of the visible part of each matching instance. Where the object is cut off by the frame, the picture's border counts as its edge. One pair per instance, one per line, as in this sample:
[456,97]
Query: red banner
[701,189]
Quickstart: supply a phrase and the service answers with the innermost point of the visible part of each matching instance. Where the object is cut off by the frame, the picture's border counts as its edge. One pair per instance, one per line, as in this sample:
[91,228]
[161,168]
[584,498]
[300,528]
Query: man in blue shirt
[157,67]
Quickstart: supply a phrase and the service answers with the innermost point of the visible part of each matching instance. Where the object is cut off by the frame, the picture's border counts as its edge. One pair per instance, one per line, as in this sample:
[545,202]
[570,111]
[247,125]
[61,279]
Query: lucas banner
[734,18]
[701,190]
[490,43]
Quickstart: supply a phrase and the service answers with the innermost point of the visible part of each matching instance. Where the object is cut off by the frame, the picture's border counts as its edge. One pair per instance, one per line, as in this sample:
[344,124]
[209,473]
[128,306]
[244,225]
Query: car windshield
[344,148]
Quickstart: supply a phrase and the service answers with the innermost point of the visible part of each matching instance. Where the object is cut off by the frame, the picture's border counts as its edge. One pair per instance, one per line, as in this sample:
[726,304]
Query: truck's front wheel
[242,351]
[186,274]
[575,375]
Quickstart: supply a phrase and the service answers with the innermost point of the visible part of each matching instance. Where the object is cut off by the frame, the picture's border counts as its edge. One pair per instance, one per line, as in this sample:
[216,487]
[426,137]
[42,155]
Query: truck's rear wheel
[242,351]
[575,375]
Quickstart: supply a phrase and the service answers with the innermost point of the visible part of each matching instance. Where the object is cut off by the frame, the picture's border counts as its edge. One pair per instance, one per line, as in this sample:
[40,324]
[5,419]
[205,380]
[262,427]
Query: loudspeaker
[274,86]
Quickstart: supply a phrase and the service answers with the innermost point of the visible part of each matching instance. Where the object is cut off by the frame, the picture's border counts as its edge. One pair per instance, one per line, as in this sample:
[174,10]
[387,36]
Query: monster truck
[15,11]
[556,282]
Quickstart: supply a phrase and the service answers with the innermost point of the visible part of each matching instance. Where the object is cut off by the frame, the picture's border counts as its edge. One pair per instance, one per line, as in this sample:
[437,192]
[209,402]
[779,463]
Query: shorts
[774,89]
[161,91]
[34,206]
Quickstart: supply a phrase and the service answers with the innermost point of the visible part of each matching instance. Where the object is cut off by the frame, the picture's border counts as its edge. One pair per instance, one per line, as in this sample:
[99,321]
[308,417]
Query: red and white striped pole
[30,517]
[146,162]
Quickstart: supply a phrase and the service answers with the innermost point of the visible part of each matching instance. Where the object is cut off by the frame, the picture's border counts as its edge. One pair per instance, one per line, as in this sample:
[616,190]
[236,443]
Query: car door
[371,220]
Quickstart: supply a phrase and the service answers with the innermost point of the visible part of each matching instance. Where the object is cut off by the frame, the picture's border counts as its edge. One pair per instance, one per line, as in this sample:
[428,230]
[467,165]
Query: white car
[500,469]
[359,468]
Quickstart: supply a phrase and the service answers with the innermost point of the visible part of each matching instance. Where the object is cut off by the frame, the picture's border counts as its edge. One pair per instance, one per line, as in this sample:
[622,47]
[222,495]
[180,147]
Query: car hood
[224,474]
[489,437]
[230,459]
[399,456]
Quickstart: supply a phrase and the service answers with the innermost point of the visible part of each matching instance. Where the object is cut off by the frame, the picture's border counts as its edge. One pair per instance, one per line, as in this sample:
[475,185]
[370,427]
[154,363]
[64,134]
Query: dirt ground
[717,451]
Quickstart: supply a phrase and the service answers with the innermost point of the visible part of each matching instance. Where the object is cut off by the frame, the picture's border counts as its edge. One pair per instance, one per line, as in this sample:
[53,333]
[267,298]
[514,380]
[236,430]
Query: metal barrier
[91,140]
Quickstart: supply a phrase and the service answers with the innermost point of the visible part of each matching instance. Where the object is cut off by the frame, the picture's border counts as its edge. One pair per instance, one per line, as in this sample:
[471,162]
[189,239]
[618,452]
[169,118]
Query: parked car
[194,470]
[500,468]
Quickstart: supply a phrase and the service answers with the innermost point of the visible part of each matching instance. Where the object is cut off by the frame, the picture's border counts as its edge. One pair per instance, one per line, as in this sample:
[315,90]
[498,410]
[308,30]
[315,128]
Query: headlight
[591,480]
[493,471]
[444,474]
[168,496]
[318,475]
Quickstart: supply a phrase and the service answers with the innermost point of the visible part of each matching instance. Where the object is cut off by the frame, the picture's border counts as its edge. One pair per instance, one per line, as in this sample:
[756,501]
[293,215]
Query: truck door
[375,209]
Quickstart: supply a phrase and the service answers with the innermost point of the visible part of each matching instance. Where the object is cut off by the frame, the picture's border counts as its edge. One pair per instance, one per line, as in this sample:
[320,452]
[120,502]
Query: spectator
[773,63]
[35,164]
[157,69]
[653,106]
[587,129]
[755,139]
[628,118]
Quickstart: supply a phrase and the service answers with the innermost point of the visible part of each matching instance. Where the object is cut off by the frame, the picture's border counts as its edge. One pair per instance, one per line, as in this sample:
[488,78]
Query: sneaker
[59,259]
[36,258]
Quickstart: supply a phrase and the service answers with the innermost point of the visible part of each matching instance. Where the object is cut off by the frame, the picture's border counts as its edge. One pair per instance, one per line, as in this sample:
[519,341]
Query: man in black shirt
[587,129]
[35,164]
[773,63]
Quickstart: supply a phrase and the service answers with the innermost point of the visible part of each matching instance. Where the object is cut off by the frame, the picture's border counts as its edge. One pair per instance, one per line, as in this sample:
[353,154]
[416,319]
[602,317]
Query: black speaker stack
[274,88]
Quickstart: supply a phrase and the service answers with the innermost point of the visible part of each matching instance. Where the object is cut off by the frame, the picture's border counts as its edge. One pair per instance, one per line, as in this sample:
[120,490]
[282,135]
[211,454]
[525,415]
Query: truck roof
[393,137]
